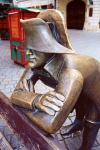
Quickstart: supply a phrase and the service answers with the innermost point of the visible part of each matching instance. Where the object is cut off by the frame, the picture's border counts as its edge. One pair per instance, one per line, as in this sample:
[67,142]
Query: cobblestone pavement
[83,42]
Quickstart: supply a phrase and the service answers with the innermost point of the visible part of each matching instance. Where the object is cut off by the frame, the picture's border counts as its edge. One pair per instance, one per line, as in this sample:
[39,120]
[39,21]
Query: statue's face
[36,58]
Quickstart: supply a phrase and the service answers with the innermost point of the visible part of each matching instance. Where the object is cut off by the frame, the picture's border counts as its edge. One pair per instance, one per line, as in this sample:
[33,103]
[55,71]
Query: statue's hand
[26,85]
[50,102]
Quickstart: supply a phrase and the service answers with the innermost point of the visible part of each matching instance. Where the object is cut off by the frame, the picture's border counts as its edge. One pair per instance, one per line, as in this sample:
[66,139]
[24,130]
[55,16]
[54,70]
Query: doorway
[75,14]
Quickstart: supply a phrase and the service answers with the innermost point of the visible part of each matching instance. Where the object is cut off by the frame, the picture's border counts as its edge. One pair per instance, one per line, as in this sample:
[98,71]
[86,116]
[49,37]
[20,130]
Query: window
[90,12]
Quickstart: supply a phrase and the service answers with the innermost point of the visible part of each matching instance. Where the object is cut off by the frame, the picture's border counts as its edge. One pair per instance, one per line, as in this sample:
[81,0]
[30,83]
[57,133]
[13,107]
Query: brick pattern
[4,145]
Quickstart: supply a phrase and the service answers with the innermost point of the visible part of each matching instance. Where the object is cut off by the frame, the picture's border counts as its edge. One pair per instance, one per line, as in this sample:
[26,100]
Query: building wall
[31,3]
[91,23]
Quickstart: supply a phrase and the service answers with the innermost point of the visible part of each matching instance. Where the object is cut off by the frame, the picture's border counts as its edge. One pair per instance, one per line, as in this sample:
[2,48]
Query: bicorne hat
[38,37]
[56,17]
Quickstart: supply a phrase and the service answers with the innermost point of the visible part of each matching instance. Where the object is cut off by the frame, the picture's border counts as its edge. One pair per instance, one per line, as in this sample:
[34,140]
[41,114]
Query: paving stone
[8,94]
[9,86]
[55,136]
[72,114]
[15,143]
[4,82]
[58,132]
[73,118]
[4,145]
[11,90]
[7,79]
[7,131]
[8,138]
[2,123]
[1,78]
[2,87]
[96,148]
[67,122]
[7,90]
[20,148]
[1,129]
[95,143]
[73,143]
[98,137]
[62,143]
[76,134]
[59,137]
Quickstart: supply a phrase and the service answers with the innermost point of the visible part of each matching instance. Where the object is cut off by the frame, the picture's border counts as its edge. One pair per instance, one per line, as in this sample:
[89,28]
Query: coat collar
[54,66]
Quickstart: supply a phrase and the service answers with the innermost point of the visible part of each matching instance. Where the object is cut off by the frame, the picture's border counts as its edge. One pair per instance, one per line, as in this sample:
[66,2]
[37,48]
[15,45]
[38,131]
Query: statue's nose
[28,52]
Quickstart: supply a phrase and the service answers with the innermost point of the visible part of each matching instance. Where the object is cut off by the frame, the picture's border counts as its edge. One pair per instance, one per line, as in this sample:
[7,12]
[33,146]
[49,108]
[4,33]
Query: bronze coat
[75,75]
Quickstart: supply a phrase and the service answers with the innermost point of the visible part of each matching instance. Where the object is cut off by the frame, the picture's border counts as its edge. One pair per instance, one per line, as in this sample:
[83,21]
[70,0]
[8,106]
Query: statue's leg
[91,126]
[77,125]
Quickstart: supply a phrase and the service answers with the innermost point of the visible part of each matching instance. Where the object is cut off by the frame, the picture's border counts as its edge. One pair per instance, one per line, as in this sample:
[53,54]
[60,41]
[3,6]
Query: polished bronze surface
[75,79]
[34,26]
[56,17]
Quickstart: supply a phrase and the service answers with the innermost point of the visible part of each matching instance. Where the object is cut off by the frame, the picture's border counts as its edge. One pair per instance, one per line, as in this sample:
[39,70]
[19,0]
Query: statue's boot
[89,134]
[76,126]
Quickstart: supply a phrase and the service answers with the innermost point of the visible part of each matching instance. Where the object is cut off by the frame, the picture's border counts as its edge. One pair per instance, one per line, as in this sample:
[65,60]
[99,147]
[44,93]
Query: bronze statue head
[38,31]
[37,59]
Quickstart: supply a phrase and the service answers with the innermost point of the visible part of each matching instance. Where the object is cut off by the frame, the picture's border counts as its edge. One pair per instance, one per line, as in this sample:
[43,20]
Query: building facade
[32,3]
[80,14]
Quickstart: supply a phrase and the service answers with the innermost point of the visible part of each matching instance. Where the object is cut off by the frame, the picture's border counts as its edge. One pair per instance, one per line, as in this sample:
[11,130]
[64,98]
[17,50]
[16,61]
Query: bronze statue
[75,79]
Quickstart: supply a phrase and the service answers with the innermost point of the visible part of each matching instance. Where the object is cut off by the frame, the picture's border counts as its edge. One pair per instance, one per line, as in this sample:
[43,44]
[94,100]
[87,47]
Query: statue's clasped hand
[50,102]
[26,85]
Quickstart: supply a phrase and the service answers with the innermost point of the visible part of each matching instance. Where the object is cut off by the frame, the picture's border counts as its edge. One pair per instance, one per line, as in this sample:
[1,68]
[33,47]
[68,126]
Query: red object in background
[17,34]
[15,28]
[3,23]
[4,28]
